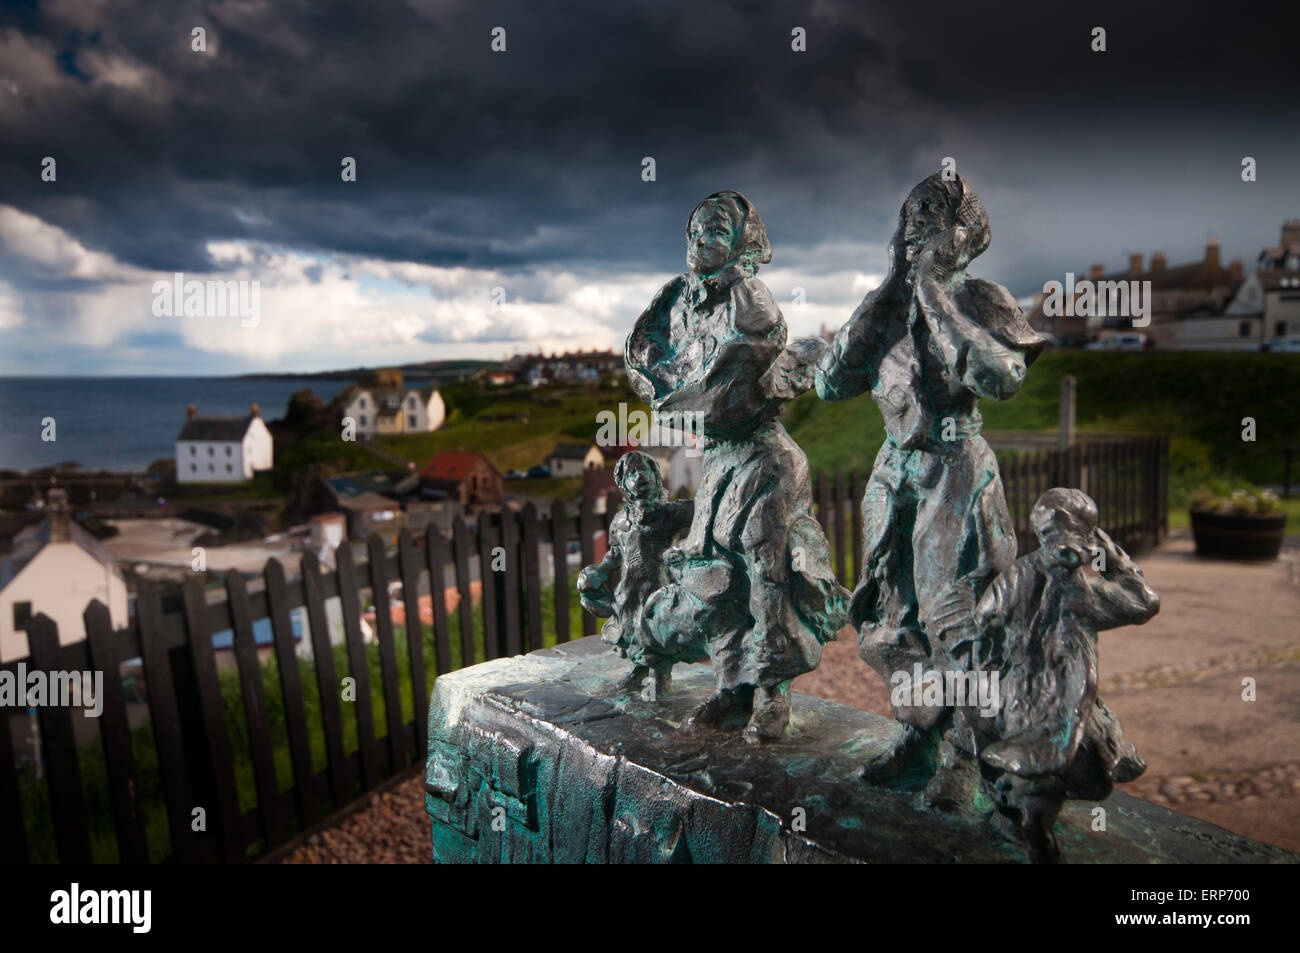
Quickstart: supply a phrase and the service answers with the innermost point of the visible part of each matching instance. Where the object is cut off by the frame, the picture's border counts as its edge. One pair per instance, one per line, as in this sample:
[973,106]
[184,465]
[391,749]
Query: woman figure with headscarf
[752,582]
[927,344]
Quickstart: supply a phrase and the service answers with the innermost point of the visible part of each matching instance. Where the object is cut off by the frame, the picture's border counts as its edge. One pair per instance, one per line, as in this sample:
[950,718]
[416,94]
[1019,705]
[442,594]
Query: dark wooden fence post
[327,682]
[358,667]
[115,735]
[435,552]
[587,545]
[13,835]
[295,716]
[165,719]
[532,543]
[408,561]
[511,594]
[462,545]
[212,766]
[270,817]
[493,641]
[67,801]
[388,675]
[560,560]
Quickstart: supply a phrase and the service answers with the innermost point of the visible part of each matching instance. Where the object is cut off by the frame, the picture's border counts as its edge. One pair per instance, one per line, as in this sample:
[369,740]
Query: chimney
[1158,261]
[1235,269]
[1096,271]
[56,504]
[1212,255]
[255,410]
[191,411]
[1291,232]
[1135,263]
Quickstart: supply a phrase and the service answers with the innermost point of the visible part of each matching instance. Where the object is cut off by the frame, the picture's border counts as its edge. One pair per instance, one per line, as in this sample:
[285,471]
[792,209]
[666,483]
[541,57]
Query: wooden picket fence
[1127,476]
[173,628]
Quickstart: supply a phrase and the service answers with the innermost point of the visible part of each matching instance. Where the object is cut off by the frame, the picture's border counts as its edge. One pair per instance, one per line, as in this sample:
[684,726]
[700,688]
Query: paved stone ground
[1175,683]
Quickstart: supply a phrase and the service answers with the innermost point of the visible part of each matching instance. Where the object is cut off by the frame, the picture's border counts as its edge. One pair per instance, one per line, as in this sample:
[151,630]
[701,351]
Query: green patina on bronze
[540,759]
[751,586]
[589,761]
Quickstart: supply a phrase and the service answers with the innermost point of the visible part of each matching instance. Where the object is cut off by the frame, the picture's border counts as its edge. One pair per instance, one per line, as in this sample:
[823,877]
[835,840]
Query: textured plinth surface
[535,759]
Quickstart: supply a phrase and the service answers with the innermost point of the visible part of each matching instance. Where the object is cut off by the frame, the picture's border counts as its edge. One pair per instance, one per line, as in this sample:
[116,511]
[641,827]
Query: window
[362,405]
[209,468]
[363,420]
[193,450]
[22,614]
[411,418]
[1243,329]
[229,468]
[229,451]
[1279,329]
[194,468]
[211,452]
[411,403]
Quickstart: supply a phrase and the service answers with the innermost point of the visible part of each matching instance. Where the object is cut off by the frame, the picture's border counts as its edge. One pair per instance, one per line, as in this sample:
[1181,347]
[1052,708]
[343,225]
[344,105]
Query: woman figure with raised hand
[927,344]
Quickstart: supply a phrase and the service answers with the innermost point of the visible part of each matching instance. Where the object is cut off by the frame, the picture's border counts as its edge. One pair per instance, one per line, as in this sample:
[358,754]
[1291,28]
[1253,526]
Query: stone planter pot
[1238,537]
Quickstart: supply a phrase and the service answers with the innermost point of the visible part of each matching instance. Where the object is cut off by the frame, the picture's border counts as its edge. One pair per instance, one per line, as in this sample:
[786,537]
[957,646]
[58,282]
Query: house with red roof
[462,476]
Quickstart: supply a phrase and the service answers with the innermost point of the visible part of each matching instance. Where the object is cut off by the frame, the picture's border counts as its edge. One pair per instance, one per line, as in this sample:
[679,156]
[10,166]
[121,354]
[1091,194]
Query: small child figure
[1052,737]
[638,536]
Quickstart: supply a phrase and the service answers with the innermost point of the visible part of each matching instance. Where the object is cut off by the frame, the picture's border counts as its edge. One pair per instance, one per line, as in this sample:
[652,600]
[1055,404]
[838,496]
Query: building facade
[212,449]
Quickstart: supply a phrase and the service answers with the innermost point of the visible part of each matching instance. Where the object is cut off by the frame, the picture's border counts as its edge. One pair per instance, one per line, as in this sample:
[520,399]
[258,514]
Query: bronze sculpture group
[751,586]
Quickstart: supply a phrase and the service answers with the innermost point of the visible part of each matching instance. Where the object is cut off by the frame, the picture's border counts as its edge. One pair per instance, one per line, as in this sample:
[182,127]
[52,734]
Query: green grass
[554,416]
[1199,399]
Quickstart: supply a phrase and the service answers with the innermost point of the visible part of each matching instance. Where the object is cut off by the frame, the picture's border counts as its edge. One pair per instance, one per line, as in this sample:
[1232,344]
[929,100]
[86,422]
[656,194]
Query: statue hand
[944,254]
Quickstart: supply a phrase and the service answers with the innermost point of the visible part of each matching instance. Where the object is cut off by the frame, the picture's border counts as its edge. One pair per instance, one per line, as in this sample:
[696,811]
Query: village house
[461,476]
[56,568]
[1177,292]
[212,449]
[370,501]
[571,459]
[571,367]
[1202,305]
[382,404]
[1266,307]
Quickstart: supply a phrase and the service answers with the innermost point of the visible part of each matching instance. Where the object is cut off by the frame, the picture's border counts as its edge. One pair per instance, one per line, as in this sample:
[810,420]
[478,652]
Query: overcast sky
[523,169]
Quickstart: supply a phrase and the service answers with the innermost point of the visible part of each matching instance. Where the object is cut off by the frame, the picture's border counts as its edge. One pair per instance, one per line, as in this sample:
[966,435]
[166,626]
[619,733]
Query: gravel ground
[391,829]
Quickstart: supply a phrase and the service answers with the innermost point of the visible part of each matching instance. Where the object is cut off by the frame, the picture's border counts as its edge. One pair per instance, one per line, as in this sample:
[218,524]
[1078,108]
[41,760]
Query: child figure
[1052,737]
[619,586]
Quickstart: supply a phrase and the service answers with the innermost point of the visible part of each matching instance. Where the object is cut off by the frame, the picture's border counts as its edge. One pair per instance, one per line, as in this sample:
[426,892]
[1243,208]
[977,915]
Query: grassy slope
[1199,399]
[567,415]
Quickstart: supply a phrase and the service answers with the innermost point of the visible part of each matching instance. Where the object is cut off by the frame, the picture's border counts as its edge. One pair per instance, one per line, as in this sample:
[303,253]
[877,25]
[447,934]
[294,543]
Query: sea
[125,423]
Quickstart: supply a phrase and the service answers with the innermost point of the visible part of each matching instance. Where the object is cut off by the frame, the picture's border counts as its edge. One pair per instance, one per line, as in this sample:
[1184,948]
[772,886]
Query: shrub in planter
[1241,522]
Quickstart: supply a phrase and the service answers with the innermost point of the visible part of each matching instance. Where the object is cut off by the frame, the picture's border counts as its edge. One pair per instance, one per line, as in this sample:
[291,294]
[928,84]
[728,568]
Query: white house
[570,459]
[222,449]
[386,410]
[56,568]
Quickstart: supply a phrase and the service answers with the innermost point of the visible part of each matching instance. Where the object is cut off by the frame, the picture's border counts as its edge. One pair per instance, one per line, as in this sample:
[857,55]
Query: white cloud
[317,313]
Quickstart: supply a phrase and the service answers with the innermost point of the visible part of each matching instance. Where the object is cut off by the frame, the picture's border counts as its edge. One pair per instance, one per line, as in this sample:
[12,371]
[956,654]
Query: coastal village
[419,453]
[240,490]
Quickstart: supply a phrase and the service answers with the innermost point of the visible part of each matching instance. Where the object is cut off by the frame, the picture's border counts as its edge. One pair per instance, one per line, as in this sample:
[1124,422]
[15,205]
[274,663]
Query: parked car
[515,474]
[538,471]
[1289,345]
[1135,341]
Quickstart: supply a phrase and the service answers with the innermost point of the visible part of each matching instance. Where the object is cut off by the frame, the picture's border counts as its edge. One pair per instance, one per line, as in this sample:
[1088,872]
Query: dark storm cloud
[533,156]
